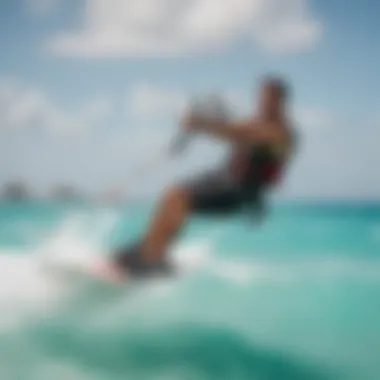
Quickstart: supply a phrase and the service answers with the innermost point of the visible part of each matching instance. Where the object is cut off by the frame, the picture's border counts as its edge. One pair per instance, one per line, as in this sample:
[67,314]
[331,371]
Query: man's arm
[240,132]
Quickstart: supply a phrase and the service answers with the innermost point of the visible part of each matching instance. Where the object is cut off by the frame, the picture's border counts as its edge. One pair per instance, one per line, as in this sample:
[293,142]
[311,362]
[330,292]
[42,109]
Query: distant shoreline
[102,202]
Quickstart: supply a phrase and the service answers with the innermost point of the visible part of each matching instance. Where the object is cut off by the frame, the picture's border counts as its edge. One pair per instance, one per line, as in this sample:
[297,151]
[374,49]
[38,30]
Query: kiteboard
[100,268]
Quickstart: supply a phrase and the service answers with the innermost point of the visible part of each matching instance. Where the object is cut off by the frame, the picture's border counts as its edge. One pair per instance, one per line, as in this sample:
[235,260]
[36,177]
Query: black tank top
[255,167]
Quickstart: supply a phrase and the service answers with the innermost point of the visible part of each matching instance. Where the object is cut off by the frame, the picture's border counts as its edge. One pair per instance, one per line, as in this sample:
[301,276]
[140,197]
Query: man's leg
[208,194]
[166,223]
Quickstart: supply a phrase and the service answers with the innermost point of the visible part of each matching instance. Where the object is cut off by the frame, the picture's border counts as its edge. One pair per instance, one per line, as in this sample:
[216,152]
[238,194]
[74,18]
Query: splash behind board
[87,267]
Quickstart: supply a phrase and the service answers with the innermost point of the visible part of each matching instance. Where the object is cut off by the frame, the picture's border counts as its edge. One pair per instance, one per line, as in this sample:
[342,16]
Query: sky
[91,90]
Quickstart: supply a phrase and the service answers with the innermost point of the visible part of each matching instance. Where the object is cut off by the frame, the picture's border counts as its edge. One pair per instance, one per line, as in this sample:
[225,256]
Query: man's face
[269,99]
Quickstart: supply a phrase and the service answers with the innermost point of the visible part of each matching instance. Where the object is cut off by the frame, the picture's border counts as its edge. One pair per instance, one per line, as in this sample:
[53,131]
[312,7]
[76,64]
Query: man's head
[273,96]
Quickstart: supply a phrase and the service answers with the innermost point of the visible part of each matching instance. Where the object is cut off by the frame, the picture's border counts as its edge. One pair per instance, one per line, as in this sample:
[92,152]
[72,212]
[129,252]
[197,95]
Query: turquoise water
[295,299]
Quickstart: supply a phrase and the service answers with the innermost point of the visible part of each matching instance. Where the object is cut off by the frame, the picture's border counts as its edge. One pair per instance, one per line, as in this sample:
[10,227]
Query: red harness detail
[271,173]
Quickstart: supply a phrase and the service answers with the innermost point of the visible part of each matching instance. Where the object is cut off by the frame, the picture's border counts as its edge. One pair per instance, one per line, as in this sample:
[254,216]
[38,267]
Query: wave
[182,328]
[179,351]
[27,288]
[300,270]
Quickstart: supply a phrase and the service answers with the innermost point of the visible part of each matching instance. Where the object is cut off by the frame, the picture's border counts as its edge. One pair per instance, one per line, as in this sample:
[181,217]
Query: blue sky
[90,90]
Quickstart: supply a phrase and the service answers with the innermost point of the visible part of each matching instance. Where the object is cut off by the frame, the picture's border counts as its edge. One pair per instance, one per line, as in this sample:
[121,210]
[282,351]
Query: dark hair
[279,84]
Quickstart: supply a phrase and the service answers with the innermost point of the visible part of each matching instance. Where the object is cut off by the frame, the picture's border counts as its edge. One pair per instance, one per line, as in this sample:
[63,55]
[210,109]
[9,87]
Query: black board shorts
[214,192]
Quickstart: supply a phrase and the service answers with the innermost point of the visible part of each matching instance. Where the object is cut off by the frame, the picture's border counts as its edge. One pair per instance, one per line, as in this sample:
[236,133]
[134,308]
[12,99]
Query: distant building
[15,191]
[66,193]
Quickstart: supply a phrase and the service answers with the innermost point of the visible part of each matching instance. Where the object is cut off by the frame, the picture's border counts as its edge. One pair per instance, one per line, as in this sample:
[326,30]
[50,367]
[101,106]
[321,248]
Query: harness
[258,166]
[257,170]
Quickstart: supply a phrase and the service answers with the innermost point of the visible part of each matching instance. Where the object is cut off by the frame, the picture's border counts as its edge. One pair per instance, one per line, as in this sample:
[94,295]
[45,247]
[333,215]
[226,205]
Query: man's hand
[192,123]
[217,128]
[240,131]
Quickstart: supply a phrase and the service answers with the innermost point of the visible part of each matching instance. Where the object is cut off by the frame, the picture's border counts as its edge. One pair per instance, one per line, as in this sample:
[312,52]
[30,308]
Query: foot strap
[131,261]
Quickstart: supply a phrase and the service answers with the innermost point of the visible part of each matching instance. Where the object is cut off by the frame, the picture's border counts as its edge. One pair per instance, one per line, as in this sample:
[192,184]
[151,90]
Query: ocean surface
[297,298]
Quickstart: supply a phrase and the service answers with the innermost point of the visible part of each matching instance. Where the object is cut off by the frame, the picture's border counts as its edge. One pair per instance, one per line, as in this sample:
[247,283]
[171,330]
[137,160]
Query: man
[261,146]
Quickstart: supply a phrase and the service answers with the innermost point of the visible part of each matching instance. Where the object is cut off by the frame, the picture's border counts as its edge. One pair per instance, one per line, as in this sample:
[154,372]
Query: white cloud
[286,26]
[112,28]
[23,107]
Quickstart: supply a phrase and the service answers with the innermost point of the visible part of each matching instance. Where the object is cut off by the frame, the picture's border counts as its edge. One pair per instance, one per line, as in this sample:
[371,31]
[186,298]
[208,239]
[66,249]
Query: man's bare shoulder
[280,130]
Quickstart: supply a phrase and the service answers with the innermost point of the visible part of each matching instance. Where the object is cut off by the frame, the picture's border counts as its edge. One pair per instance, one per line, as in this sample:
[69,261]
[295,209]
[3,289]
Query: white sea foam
[27,283]
[317,270]
[24,290]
